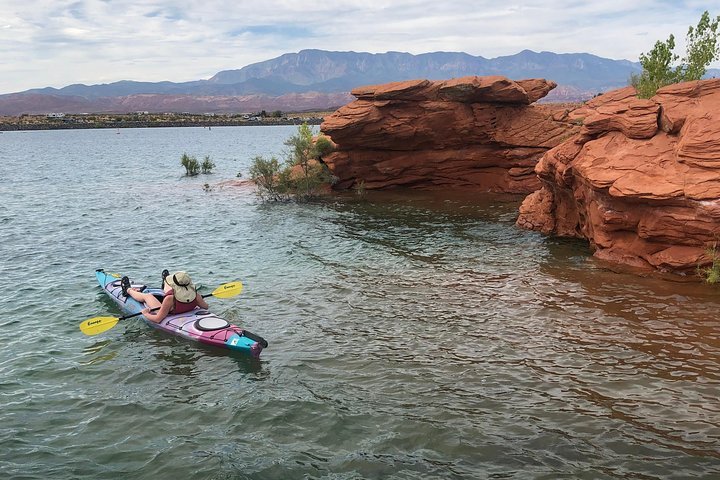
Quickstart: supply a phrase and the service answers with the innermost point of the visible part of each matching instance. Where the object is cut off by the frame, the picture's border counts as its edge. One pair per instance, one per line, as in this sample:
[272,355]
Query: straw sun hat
[183,288]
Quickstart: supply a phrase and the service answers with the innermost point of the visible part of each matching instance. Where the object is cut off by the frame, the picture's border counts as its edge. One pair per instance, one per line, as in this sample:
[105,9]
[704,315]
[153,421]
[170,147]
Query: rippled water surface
[411,335]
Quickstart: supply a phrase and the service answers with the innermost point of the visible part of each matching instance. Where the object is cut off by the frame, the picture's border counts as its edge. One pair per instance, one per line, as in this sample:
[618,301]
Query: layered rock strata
[640,180]
[475,132]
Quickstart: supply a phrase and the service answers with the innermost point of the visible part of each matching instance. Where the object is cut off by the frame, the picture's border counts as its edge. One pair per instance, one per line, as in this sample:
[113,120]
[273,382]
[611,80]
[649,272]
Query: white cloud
[56,43]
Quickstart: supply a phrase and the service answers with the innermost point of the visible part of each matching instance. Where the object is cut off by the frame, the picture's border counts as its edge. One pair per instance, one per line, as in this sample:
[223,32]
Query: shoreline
[16,127]
[77,121]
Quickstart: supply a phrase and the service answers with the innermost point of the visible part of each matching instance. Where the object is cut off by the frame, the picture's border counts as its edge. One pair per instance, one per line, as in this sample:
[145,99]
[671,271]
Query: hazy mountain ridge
[319,79]
[349,70]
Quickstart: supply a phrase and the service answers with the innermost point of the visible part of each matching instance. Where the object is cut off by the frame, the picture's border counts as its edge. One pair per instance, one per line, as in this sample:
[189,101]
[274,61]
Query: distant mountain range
[321,80]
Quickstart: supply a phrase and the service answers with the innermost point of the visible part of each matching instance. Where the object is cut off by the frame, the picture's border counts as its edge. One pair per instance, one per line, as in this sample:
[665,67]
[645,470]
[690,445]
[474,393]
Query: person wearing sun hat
[182,287]
[180,297]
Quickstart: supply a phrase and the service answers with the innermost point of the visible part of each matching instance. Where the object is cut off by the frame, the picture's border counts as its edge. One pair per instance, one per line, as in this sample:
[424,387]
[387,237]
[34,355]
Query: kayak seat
[208,324]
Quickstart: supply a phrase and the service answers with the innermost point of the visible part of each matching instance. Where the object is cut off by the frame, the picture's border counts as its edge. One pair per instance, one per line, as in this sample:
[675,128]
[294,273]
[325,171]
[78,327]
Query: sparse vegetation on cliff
[711,274]
[659,65]
[301,176]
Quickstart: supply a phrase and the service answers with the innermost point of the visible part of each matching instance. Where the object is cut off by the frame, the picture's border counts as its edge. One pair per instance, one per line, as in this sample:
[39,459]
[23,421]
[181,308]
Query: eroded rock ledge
[473,132]
[640,180]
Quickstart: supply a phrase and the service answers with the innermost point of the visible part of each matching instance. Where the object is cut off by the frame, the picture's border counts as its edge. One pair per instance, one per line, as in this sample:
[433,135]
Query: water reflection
[99,352]
[176,356]
[670,322]
[614,338]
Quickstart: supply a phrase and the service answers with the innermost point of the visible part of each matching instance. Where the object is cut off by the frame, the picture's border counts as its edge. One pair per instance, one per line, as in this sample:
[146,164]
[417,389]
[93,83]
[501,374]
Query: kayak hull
[197,325]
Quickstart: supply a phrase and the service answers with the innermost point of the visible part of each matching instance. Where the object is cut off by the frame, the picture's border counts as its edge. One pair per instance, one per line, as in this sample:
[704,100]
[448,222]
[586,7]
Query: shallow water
[412,335]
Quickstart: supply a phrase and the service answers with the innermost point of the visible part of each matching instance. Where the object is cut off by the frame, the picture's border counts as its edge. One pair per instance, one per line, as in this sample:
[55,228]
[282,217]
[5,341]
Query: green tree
[305,153]
[703,47]
[657,68]
[659,65]
[302,174]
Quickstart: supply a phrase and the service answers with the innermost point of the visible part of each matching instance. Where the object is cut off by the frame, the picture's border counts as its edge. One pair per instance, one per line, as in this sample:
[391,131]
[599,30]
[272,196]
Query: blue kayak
[198,325]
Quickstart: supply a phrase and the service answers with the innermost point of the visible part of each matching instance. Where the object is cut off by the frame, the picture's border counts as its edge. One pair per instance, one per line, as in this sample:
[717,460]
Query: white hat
[183,288]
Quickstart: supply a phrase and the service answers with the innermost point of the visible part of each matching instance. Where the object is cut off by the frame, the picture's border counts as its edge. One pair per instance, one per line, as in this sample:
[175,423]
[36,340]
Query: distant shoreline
[84,122]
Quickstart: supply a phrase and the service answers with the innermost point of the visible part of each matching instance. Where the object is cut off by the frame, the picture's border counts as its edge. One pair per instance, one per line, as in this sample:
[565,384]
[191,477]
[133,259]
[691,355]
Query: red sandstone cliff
[640,181]
[477,132]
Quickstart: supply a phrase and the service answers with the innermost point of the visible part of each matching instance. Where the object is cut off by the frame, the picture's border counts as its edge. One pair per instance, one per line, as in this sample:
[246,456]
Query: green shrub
[192,167]
[267,177]
[323,145]
[207,165]
[301,176]
[659,65]
[712,273]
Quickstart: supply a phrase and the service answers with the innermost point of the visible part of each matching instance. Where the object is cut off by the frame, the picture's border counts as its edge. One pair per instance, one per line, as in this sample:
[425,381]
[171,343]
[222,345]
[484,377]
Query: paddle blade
[227,290]
[97,325]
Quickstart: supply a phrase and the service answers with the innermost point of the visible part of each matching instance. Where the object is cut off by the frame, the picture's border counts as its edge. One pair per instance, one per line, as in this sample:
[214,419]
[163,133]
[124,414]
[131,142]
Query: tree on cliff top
[659,67]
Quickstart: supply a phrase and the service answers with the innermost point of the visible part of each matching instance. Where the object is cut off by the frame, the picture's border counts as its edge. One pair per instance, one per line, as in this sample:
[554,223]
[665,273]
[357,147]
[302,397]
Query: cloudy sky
[58,42]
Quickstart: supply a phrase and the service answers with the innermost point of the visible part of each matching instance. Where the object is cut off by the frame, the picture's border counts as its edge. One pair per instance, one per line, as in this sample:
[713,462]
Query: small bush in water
[207,165]
[360,188]
[192,167]
[272,181]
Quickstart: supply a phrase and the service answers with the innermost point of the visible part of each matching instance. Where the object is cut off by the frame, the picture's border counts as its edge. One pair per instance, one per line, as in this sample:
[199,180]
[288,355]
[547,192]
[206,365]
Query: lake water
[412,336]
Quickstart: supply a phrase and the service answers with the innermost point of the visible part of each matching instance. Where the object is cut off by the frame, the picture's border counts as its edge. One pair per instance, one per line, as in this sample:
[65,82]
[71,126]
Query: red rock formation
[478,132]
[640,181]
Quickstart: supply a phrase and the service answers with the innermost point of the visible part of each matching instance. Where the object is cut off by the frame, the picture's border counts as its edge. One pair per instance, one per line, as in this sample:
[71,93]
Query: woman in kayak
[180,297]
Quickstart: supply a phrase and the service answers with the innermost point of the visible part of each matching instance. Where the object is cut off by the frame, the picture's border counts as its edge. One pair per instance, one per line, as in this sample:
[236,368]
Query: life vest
[180,307]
